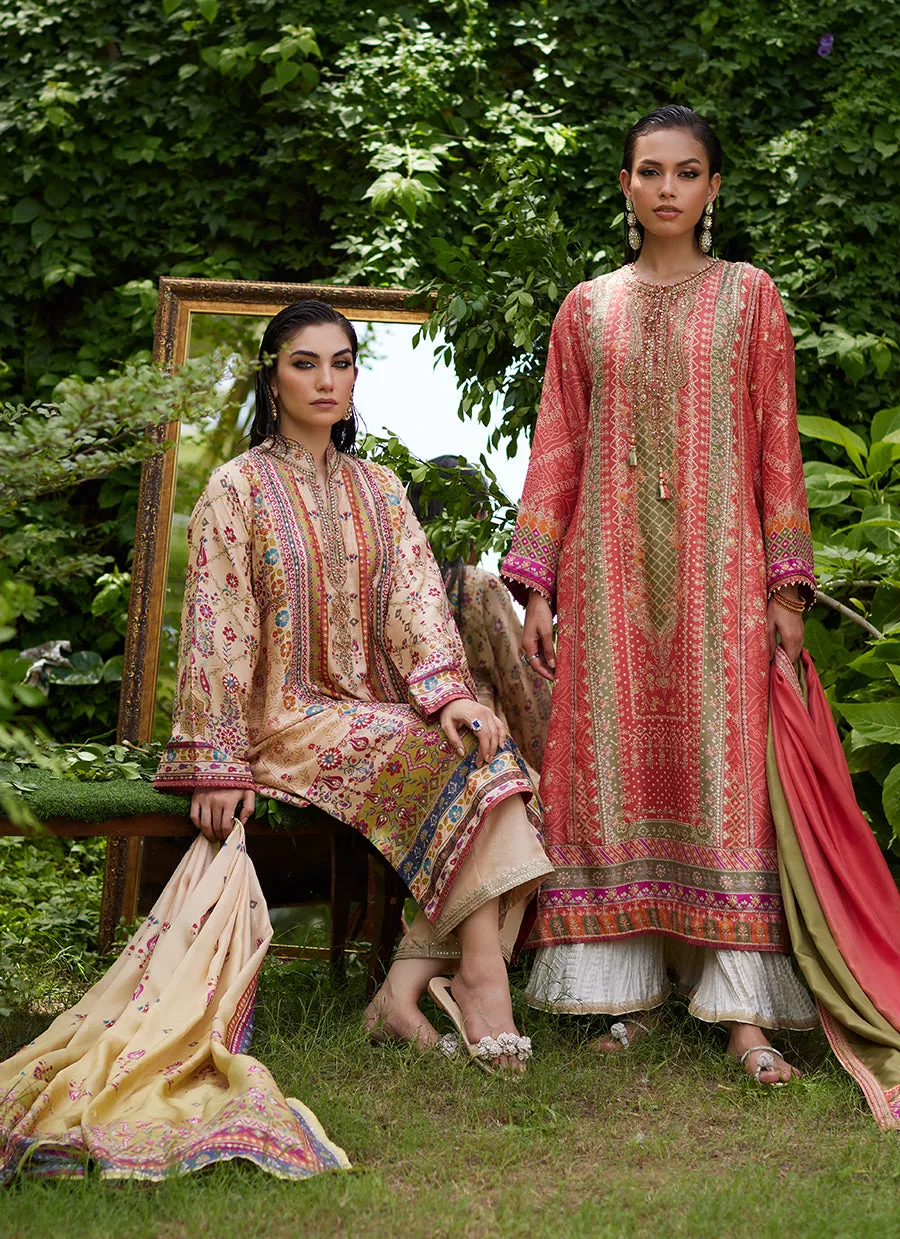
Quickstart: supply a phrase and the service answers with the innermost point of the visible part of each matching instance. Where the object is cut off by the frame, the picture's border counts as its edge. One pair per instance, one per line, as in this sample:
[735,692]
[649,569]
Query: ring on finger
[475,724]
[525,660]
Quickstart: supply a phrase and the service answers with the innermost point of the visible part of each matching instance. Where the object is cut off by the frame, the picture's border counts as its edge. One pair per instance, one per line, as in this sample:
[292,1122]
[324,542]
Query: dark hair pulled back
[674,116]
[283,327]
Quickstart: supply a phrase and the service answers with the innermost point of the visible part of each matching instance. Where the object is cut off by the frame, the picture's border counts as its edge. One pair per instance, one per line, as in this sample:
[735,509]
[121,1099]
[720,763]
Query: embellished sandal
[488,1050]
[765,1062]
[618,1032]
[448,1045]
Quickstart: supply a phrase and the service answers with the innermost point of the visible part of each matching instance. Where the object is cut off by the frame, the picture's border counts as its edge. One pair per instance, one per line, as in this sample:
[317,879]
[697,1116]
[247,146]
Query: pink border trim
[884,1103]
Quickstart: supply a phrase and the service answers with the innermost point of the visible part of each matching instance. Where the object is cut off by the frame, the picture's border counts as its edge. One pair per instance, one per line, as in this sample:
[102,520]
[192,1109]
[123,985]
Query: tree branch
[857,619]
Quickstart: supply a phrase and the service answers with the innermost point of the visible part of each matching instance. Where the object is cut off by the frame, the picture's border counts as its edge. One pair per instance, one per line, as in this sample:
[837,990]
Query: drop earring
[706,237]
[634,237]
[349,414]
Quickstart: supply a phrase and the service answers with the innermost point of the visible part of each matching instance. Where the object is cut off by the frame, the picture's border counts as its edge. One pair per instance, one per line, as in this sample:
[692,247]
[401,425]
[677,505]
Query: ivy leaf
[876,720]
[829,431]
[890,799]
[112,669]
[285,72]
[881,358]
[25,210]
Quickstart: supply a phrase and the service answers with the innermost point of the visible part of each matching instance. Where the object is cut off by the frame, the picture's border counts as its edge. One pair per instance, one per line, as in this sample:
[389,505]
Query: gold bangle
[790,604]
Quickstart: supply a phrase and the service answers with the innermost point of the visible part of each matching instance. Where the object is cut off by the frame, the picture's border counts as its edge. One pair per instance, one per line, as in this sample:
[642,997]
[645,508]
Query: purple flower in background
[826,43]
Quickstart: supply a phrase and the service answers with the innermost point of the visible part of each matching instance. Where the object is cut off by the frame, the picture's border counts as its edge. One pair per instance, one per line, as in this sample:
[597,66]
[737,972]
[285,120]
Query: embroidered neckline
[300,455]
[650,286]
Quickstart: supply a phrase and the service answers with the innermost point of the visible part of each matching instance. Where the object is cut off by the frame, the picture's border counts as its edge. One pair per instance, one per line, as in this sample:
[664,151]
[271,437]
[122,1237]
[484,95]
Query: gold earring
[634,237]
[706,238]
[349,414]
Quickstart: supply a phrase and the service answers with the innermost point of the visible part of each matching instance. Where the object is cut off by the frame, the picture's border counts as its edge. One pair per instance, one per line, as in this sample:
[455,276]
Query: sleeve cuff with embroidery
[432,688]
[188,764]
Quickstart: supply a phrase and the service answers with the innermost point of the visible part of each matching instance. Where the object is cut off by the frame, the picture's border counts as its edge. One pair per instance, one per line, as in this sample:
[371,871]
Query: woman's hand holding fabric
[490,732]
[213,809]
[537,636]
[787,626]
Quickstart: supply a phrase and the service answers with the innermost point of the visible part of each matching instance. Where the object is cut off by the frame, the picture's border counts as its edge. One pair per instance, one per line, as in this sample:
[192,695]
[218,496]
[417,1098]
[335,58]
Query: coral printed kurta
[654,779]
[317,650]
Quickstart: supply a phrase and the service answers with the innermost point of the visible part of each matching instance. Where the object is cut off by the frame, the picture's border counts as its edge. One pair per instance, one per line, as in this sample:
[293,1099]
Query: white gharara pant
[636,974]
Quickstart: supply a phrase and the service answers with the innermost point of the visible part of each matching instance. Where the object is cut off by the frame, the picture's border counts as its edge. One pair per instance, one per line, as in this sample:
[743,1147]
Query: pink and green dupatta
[841,902]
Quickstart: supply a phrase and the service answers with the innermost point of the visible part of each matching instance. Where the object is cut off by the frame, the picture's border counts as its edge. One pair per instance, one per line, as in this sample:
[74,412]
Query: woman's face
[669,184]
[313,380]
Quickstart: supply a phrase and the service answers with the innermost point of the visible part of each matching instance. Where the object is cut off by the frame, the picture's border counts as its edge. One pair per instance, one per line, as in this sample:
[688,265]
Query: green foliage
[475,519]
[238,140]
[55,458]
[50,892]
[854,504]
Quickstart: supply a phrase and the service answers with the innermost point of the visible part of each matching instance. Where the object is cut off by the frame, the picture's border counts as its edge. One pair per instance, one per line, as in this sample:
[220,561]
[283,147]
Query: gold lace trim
[510,880]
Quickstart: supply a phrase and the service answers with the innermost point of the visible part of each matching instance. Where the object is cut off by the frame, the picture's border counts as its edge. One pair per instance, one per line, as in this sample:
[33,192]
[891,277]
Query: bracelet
[790,604]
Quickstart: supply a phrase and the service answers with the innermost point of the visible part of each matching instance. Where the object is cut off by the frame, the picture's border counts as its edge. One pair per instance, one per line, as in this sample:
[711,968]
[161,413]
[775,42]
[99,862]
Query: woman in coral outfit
[664,518]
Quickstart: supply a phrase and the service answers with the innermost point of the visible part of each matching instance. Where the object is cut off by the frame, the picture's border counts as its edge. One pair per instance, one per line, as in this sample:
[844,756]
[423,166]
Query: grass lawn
[667,1140]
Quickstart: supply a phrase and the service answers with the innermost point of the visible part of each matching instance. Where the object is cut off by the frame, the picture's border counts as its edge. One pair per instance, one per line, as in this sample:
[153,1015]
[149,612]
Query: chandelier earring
[706,236]
[634,237]
[349,414]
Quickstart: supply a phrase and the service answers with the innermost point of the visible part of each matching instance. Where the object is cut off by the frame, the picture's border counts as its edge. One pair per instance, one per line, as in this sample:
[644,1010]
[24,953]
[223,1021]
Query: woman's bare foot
[393,1014]
[482,992]
[746,1036]
[635,1030]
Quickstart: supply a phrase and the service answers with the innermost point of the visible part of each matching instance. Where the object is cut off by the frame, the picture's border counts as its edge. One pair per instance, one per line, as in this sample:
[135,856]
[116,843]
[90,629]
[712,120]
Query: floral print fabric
[149,1074]
[317,651]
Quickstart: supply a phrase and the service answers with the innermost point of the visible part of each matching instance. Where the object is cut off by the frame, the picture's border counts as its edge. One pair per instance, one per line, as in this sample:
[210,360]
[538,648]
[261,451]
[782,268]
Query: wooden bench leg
[120,877]
[113,892]
[387,895]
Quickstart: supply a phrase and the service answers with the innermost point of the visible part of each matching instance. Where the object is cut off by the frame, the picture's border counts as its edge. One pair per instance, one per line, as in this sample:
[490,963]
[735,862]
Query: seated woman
[491,632]
[319,664]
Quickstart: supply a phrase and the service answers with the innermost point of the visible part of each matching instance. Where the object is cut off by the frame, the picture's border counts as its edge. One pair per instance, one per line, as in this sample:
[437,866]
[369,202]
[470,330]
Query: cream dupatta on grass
[148,1076]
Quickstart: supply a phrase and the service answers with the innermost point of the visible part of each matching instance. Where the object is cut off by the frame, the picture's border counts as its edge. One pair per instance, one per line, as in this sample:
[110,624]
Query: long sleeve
[785,516]
[220,633]
[521,695]
[420,636]
[554,470]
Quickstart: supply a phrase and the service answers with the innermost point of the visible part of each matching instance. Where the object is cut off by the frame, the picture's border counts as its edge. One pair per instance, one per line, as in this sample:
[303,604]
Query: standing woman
[319,664]
[664,518]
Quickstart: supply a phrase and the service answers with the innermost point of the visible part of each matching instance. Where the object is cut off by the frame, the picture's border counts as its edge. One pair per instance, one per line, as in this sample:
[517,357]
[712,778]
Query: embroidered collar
[302,458]
[651,287]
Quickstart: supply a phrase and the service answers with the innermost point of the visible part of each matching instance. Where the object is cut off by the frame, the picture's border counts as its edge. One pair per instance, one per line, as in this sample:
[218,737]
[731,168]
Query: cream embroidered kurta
[317,651]
[654,780]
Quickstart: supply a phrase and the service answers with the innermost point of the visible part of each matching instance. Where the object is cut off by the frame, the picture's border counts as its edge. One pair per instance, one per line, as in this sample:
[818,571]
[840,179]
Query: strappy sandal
[765,1062]
[489,1050]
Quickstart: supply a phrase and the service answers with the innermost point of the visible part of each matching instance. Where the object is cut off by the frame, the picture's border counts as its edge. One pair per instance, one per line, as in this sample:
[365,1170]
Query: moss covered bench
[307,857]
